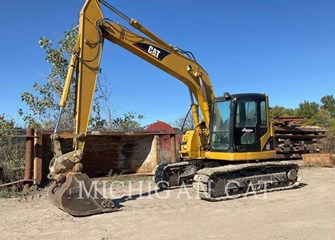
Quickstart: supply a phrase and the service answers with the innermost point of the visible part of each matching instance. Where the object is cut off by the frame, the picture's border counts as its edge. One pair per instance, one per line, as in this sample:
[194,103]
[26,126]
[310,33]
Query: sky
[284,48]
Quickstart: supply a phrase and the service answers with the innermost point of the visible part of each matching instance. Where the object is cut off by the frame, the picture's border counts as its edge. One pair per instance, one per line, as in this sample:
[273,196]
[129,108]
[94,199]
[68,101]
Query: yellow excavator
[230,151]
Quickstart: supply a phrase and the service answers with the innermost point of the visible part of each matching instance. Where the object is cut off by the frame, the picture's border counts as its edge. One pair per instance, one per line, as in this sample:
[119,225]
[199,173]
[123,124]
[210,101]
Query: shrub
[11,152]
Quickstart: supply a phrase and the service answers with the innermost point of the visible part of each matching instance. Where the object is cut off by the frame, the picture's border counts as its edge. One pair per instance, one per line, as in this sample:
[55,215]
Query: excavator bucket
[78,196]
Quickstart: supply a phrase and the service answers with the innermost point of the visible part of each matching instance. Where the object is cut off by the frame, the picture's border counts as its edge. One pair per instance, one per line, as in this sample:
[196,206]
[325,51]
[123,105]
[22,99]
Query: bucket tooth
[78,196]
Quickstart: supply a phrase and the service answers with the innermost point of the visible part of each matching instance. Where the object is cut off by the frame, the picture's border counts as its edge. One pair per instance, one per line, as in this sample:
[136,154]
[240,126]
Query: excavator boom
[66,168]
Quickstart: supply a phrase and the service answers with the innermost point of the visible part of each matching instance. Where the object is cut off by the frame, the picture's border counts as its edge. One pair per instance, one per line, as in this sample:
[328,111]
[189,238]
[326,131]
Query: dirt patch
[304,213]
[319,160]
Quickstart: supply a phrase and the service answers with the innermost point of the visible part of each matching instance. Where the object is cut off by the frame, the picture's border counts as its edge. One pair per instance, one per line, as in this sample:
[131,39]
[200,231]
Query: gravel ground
[304,213]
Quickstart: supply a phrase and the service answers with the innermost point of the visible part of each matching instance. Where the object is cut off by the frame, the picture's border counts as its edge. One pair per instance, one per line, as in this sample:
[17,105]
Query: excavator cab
[240,123]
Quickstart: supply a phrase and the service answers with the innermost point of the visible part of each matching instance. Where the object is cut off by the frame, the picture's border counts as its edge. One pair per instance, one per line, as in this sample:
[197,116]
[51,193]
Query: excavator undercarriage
[216,183]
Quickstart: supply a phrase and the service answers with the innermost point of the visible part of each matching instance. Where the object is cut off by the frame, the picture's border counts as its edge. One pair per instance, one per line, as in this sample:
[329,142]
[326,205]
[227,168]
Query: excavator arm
[65,169]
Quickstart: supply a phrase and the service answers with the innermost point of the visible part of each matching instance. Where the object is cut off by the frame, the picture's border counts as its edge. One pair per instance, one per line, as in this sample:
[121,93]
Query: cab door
[250,124]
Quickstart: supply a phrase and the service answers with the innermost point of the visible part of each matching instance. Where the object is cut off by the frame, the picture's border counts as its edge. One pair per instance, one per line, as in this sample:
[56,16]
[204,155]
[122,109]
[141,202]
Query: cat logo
[154,51]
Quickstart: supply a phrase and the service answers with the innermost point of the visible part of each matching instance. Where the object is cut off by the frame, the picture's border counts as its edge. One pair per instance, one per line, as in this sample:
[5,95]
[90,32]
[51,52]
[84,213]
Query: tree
[184,123]
[127,122]
[325,119]
[310,111]
[328,104]
[278,111]
[43,103]
[105,91]
[326,115]
[11,152]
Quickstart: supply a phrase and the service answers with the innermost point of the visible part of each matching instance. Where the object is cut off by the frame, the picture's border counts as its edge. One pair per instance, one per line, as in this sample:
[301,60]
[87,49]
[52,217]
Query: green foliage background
[313,113]
[11,152]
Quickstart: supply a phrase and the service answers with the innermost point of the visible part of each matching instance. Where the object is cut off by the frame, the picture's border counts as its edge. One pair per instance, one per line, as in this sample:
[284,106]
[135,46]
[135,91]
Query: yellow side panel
[190,148]
[240,156]
[264,139]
